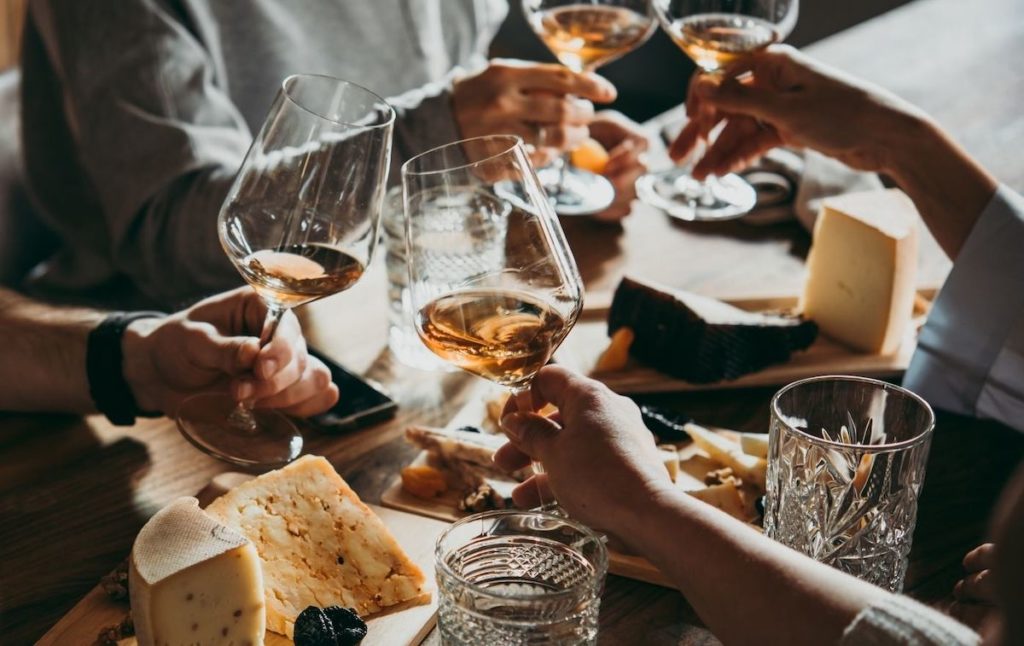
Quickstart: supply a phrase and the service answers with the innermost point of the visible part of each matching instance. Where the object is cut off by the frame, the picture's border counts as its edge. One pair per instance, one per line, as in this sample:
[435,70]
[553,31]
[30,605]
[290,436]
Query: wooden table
[74,492]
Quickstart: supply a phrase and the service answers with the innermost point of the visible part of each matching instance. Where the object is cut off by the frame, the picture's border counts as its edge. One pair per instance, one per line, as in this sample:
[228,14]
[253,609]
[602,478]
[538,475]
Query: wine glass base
[684,198]
[577,192]
[263,439]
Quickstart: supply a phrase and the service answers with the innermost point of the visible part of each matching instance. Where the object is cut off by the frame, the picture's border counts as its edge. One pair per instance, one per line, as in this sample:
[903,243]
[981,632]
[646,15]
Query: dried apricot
[616,355]
[424,481]
[590,155]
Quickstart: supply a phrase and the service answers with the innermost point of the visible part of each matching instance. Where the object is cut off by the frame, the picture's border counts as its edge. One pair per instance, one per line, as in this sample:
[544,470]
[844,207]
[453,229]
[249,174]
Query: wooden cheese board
[405,627]
[583,346]
[693,465]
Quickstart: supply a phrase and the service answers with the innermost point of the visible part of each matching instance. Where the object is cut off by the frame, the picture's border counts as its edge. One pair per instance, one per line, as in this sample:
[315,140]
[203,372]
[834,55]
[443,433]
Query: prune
[668,426]
[349,628]
[314,628]
[469,429]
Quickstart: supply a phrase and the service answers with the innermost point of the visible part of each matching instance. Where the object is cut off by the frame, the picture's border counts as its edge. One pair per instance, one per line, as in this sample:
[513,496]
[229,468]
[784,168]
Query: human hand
[977,586]
[547,105]
[781,97]
[600,460]
[214,345]
[625,141]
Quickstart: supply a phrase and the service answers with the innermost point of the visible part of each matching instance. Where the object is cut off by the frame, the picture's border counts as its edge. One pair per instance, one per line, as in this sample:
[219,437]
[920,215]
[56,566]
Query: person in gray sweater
[137,114]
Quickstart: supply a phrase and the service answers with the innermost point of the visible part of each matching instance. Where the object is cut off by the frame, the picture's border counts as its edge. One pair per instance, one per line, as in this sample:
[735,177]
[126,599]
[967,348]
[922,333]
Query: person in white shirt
[969,361]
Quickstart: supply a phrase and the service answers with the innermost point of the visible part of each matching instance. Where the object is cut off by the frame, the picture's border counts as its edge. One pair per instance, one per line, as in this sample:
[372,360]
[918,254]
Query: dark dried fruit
[115,584]
[314,628]
[469,429]
[667,425]
[759,506]
[349,628]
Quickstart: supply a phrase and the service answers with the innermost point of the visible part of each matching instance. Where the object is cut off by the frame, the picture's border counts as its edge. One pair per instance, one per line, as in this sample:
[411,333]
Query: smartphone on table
[362,402]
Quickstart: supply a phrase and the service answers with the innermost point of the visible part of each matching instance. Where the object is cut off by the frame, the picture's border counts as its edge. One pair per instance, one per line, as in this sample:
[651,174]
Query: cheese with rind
[862,269]
[194,581]
[319,544]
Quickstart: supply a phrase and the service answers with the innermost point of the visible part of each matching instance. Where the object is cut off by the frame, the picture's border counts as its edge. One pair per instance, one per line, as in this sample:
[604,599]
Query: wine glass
[583,36]
[299,223]
[493,283]
[714,33]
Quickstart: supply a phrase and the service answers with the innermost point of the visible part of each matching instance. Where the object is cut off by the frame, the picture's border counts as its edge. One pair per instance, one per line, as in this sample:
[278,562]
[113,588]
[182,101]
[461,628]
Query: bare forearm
[728,570]
[948,186]
[43,365]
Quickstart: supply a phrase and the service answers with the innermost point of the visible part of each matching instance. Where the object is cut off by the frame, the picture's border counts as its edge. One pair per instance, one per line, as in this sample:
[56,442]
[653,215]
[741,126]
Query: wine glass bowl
[583,36]
[493,283]
[299,223]
[714,34]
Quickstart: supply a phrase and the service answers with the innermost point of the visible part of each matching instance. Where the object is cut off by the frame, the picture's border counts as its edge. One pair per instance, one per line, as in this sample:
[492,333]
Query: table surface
[74,492]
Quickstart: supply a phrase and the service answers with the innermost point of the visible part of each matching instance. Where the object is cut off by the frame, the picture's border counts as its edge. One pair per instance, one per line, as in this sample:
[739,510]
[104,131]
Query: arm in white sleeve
[970,353]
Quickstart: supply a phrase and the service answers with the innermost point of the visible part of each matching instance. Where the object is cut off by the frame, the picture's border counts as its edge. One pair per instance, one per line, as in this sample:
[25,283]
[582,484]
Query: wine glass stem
[241,417]
[524,403]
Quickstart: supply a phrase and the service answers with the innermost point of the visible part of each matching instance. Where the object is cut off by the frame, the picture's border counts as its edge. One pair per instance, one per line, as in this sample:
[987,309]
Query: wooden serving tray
[406,627]
[589,339]
[693,466]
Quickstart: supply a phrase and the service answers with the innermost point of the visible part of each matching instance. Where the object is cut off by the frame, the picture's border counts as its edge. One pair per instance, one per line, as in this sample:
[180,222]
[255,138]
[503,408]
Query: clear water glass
[518,578]
[846,463]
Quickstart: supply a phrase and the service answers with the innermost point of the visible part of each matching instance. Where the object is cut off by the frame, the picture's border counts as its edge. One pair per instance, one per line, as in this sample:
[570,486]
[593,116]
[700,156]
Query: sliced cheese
[862,268]
[748,468]
[319,544]
[755,444]
[194,581]
[726,497]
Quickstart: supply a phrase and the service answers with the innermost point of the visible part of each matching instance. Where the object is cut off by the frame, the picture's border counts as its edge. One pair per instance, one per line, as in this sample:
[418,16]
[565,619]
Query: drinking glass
[492,281]
[511,577]
[583,36]
[846,462]
[714,33]
[299,223]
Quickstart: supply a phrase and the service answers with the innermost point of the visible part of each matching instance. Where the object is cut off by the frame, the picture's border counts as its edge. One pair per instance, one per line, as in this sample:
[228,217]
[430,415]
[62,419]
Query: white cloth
[970,353]
[904,622]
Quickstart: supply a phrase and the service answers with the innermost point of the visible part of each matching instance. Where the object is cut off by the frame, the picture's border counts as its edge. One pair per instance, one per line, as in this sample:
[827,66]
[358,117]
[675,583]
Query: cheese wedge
[728,453]
[862,269]
[755,444]
[194,581]
[319,544]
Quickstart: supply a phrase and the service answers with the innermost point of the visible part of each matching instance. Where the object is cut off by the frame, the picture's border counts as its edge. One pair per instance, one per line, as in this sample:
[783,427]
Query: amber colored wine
[504,336]
[584,36]
[300,273]
[713,40]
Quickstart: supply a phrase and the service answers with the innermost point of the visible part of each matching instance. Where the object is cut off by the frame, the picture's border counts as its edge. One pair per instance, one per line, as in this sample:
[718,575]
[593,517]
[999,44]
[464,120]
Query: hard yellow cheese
[862,268]
[319,544]
[194,581]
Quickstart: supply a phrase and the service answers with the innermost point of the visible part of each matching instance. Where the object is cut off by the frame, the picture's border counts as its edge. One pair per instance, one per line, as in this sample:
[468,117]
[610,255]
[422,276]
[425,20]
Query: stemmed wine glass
[492,280]
[583,36]
[714,33]
[299,223]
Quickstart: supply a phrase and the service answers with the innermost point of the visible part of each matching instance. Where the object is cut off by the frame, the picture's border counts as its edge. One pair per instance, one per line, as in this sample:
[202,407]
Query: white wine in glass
[493,282]
[583,36]
[299,223]
[715,34]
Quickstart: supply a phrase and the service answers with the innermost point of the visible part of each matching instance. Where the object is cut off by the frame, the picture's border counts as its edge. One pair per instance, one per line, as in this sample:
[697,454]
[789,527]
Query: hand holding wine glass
[299,223]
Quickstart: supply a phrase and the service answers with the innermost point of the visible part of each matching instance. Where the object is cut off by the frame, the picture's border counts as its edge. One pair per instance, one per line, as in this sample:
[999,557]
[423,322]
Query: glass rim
[515,140]
[295,77]
[869,448]
[600,569]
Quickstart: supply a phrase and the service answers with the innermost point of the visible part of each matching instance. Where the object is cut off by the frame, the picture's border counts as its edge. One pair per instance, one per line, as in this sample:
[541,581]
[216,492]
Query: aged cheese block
[700,339]
[194,581]
[862,269]
[319,544]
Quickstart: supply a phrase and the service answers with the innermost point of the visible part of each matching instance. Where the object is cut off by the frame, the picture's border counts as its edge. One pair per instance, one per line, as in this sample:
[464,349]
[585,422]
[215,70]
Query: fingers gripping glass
[583,36]
[300,223]
[493,284]
[714,33]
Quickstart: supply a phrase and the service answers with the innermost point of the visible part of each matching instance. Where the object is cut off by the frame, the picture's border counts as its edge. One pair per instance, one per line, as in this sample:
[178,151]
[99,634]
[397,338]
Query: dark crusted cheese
[700,339]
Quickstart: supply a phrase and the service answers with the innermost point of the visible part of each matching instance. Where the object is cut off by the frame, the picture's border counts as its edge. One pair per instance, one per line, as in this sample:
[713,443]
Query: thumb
[530,433]
[733,96]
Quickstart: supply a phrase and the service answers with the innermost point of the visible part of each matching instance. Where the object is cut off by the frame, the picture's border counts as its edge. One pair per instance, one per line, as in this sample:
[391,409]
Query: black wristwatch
[104,366]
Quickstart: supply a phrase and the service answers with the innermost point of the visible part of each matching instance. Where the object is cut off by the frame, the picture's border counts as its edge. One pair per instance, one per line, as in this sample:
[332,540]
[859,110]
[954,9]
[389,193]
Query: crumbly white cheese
[319,544]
